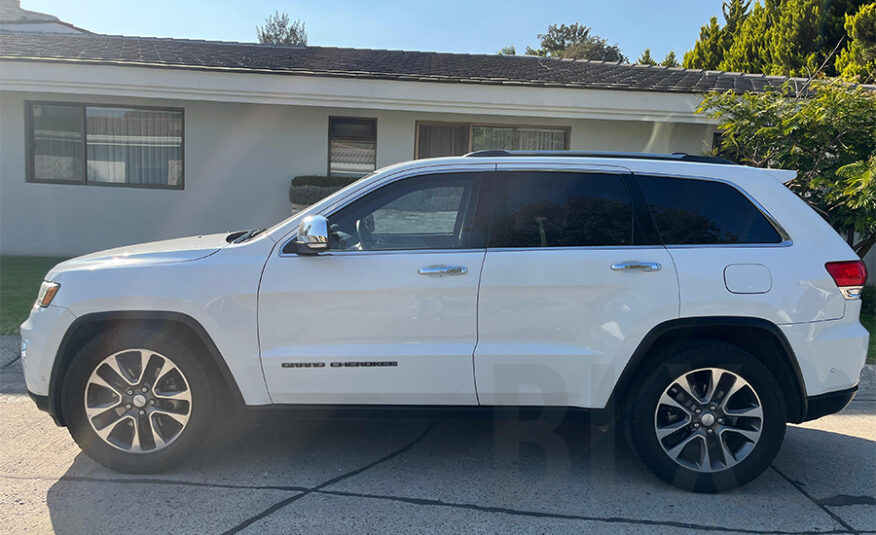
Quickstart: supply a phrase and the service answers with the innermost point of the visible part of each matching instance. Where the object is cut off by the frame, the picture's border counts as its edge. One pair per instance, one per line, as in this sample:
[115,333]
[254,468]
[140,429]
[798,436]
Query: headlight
[48,290]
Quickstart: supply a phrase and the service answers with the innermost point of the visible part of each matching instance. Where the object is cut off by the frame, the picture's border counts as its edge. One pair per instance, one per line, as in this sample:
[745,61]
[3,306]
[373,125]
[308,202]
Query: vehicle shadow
[538,471]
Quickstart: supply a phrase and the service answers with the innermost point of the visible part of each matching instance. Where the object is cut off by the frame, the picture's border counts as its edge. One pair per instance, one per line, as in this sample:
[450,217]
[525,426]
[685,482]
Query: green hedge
[308,189]
[869,297]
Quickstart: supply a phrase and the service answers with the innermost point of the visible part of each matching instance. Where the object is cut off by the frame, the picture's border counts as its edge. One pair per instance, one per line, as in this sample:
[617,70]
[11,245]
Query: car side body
[561,326]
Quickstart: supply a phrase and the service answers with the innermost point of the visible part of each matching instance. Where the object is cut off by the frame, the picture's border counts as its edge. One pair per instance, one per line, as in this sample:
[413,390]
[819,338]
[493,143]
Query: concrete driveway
[280,474]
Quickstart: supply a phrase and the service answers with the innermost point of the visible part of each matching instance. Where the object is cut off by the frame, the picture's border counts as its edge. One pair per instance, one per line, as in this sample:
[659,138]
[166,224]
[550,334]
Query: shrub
[869,304]
[308,189]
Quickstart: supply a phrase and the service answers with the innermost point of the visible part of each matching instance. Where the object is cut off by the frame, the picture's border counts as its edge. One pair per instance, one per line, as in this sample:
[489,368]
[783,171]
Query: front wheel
[137,400]
[708,419]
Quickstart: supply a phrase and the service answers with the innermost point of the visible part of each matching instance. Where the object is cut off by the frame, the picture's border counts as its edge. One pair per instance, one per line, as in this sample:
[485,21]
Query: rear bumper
[829,403]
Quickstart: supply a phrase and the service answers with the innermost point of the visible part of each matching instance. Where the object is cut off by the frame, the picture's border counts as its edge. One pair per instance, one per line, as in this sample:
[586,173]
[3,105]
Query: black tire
[182,353]
[706,354]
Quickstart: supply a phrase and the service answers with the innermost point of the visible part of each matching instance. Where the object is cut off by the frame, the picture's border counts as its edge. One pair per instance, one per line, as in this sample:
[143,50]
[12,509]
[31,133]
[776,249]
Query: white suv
[702,303]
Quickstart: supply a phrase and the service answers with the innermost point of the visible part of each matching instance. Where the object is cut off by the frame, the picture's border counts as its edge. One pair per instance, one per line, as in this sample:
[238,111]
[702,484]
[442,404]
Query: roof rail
[675,156]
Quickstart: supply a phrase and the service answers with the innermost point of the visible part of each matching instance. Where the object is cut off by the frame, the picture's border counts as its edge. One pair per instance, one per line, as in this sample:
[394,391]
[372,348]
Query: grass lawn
[869,321]
[20,278]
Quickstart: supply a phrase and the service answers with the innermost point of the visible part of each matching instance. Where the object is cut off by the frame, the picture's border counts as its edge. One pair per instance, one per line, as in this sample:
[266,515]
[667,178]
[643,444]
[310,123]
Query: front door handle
[440,271]
[638,266]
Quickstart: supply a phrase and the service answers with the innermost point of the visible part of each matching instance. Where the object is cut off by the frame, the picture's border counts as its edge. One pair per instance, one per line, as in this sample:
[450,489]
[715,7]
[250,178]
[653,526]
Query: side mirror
[313,235]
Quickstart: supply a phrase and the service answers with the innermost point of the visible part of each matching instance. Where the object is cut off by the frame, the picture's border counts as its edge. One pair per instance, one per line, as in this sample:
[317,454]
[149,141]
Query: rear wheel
[137,400]
[709,418]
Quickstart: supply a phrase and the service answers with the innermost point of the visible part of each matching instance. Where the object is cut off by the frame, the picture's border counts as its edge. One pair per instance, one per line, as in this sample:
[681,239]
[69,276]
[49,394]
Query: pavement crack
[823,507]
[11,362]
[283,503]
[564,516]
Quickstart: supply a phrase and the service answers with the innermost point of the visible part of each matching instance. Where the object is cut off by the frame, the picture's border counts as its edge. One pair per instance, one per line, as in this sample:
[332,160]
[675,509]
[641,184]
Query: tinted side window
[423,212]
[558,209]
[689,211]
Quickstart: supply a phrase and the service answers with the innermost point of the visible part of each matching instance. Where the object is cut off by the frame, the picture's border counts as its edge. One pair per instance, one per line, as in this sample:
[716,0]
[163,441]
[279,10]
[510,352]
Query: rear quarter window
[703,212]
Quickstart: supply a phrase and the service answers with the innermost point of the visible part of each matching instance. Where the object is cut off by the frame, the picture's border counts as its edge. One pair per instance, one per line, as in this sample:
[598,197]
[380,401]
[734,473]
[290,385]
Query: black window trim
[786,240]
[480,219]
[28,144]
[328,168]
[499,198]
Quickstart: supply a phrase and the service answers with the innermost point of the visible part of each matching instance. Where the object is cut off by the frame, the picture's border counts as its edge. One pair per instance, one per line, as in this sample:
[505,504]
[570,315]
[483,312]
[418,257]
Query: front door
[573,279]
[389,314]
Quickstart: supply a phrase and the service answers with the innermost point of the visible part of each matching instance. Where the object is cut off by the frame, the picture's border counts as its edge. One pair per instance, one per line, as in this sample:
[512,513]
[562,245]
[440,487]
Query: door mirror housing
[313,235]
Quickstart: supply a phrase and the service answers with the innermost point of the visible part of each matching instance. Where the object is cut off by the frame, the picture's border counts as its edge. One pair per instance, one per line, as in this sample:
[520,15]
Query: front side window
[79,143]
[352,146]
[561,209]
[703,212]
[425,212]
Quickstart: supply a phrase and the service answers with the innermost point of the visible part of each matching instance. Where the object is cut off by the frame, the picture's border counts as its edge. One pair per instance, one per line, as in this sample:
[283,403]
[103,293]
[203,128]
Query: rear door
[573,279]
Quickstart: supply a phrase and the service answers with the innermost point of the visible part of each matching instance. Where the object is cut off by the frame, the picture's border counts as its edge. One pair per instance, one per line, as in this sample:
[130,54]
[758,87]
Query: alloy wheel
[138,401]
[708,420]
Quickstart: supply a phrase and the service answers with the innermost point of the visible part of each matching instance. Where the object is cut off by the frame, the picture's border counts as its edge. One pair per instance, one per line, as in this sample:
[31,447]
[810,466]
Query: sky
[444,26]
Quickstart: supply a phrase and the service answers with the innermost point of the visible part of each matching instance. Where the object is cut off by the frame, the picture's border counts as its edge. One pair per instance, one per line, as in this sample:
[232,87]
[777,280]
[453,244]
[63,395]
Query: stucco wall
[239,159]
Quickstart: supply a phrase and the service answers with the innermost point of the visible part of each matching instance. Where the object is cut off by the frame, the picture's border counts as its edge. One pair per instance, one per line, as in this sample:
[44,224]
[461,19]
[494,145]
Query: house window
[114,145]
[352,146]
[436,139]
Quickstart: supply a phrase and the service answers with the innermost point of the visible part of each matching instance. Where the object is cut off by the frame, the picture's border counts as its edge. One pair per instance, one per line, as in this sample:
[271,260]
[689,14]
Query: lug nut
[152,402]
[709,430]
[698,411]
[712,407]
[142,412]
[696,426]
[128,406]
[720,420]
[130,391]
[144,389]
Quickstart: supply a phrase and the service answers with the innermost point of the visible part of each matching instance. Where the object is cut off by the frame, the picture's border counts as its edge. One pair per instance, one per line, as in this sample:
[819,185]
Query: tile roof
[374,64]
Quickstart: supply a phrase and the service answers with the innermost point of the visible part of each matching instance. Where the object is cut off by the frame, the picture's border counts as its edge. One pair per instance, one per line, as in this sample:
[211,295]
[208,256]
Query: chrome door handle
[640,266]
[440,271]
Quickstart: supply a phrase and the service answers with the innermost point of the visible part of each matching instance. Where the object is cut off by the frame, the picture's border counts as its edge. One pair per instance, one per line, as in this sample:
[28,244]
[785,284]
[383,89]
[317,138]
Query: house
[13,18]
[108,140]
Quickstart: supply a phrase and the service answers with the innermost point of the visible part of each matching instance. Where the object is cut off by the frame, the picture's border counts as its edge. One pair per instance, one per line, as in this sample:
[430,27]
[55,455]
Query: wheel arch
[85,326]
[758,336]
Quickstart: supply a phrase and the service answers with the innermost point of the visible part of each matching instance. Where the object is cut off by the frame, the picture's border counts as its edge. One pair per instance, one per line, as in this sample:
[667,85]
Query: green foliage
[670,60]
[278,30]
[715,40]
[827,134]
[779,37]
[646,59]
[868,300]
[508,51]
[308,189]
[857,62]
[20,278]
[574,41]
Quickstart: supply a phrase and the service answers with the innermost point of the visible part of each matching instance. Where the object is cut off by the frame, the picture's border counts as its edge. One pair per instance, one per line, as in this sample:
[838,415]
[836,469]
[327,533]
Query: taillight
[849,276]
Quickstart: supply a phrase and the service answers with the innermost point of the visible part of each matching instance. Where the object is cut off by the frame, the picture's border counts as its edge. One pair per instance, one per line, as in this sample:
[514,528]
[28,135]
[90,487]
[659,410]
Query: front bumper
[829,403]
[42,402]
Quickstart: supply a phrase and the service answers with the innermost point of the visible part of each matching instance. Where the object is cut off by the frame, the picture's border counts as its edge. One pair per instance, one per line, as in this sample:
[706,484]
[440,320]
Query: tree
[575,41]
[714,41]
[780,37]
[857,62]
[828,134]
[670,60]
[508,51]
[646,59]
[278,30]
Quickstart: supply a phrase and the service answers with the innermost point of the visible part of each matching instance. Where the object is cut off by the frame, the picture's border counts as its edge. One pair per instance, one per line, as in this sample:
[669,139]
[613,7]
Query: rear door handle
[440,271]
[638,266]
